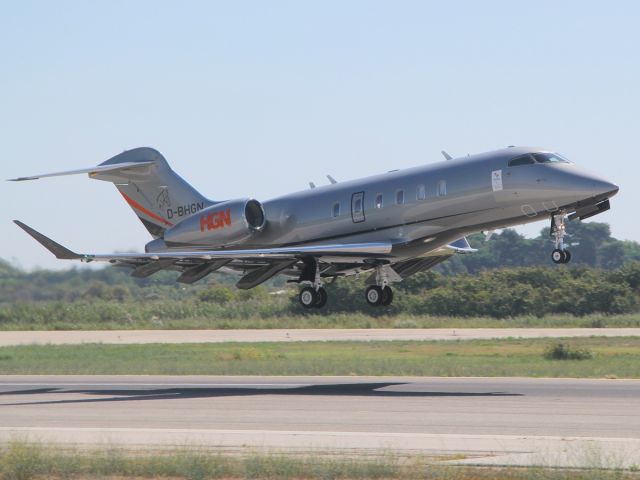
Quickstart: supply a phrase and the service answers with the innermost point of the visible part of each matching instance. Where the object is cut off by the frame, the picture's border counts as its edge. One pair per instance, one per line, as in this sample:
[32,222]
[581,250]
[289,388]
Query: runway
[512,421]
[122,337]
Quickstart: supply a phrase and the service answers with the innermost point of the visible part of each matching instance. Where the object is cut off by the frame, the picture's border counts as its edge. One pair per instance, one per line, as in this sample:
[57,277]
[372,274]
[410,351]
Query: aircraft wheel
[387,296]
[558,256]
[567,256]
[321,298]
[374,295]
[308,297]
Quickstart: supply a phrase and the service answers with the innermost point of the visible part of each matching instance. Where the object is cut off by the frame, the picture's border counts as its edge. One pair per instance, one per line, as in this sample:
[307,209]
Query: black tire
[387,296]
[373,295]
[567,256]
[321,298]
[557,256]
[308,297]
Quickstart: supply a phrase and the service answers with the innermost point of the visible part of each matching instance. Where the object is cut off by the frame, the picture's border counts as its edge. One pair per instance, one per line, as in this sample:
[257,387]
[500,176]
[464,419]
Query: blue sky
[259,98]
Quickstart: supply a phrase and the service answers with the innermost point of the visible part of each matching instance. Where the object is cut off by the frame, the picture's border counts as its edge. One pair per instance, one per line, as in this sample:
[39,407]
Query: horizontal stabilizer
[91,171]
[58,250]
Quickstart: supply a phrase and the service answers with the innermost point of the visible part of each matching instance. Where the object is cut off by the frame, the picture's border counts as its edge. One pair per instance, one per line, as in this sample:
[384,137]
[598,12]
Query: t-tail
[158,196]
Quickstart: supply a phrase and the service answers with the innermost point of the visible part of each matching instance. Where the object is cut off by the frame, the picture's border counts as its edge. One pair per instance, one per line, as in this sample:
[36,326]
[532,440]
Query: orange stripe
[137,206]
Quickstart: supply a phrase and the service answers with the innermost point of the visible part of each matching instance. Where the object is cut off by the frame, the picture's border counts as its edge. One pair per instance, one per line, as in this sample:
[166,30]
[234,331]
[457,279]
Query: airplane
[388,226]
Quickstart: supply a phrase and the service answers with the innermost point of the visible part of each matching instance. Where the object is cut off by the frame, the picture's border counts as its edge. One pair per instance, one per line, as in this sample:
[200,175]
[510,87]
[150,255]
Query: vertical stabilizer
[158,196]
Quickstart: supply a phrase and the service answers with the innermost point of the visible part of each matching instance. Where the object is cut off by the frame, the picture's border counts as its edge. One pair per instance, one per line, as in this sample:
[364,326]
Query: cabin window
[379,200]
[335,212]
[400,197]
[421,192]
[441,188]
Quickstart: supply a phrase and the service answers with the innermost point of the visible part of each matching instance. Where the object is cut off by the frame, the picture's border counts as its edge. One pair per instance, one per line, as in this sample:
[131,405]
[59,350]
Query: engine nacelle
[224,223]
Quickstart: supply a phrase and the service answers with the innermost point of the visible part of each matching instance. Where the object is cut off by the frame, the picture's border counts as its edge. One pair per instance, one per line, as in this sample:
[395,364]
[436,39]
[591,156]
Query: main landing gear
[560,254]
[314,296]
[380,294]
[311,298]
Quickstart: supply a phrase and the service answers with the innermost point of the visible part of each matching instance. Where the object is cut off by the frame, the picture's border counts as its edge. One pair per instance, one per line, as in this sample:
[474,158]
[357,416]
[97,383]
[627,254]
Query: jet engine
[224,223]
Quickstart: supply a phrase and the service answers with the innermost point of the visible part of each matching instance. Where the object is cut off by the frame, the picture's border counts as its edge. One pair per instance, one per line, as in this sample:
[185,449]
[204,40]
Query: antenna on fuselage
[331,179]
[312,185]
[446,155]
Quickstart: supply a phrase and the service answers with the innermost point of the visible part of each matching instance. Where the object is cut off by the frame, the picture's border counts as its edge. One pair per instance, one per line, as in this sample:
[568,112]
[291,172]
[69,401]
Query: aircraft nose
[590,185]
[600,187]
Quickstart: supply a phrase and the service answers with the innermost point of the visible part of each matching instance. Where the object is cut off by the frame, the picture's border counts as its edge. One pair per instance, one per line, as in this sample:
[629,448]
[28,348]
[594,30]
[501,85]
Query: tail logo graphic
[163,199]
[215,220]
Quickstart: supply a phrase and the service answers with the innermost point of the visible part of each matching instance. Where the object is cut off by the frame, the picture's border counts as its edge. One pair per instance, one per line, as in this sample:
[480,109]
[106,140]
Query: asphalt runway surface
[506,421]
[8,338]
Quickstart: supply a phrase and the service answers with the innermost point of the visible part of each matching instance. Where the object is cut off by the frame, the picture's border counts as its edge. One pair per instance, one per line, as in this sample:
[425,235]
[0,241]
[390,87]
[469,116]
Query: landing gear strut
[560,254]
[381,293]
[314,296]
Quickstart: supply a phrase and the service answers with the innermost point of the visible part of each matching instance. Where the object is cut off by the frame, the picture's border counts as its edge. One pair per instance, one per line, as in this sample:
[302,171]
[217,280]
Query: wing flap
[193,274]
[262,274]
[147,269]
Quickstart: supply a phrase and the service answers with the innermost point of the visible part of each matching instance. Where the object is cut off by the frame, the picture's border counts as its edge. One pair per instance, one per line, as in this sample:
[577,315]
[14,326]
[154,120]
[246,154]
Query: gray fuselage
[419,209]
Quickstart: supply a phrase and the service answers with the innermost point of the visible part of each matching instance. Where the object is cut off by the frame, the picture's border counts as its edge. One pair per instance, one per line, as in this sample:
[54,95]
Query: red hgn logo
[215,220]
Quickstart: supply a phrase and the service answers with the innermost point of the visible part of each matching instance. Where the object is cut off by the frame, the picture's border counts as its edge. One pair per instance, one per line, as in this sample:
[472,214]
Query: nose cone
[593,186]
[610,189]
[577,184]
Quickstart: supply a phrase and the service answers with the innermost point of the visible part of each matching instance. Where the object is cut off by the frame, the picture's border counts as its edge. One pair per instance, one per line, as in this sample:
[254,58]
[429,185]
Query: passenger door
[357,207]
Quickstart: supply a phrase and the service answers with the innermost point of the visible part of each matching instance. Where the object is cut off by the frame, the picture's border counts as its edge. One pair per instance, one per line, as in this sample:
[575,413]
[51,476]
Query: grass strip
[24,461]
[600,357]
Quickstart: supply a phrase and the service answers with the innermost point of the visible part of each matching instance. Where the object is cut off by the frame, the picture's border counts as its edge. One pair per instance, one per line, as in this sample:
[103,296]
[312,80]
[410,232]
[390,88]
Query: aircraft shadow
[137,394]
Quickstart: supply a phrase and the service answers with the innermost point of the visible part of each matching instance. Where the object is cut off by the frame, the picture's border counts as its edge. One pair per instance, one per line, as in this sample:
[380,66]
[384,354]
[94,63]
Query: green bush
[220,294]
[79,296]
[562,351]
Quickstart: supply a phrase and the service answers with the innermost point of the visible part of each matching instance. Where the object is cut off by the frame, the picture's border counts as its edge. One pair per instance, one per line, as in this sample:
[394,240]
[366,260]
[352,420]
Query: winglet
[58,250]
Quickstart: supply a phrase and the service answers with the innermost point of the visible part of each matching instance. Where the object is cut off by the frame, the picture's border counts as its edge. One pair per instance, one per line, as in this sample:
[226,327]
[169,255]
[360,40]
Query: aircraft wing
[260,263]
[376,249]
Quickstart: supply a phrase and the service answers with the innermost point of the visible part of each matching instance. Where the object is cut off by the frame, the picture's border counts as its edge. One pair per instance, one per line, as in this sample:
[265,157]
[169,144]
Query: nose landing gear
[560,254]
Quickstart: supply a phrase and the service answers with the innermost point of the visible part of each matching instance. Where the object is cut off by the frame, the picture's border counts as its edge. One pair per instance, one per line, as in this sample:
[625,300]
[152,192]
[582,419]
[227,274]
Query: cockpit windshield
[522,160]
[540,157]
[550,158]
